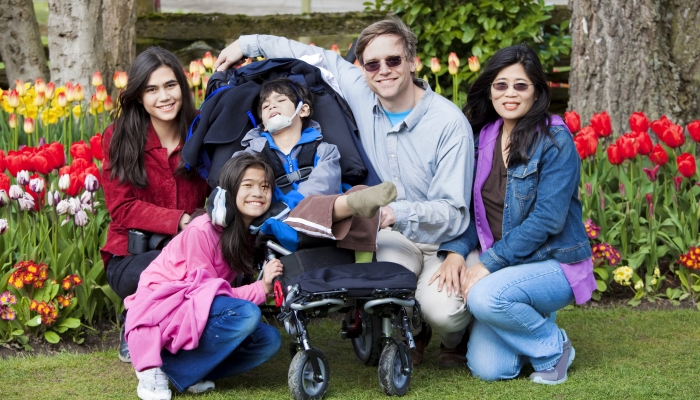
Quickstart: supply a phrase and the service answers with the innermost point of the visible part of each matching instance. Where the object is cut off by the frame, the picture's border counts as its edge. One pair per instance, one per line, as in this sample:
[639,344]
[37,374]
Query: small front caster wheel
[303,383]
[394,379]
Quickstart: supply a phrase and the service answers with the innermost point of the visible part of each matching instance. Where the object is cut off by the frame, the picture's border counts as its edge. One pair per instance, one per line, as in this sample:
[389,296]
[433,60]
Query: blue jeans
[234,341]
[512,325]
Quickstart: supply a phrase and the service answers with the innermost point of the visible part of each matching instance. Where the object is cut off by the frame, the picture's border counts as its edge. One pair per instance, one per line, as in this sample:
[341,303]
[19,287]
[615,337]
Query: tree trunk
[119,36]
[635,55]
[21,48]
[76,48]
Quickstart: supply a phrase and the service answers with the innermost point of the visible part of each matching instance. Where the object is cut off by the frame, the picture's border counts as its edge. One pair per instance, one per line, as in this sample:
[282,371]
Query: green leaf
[52,337]
[602,273]
[36,321]
[602,287]
[70,323]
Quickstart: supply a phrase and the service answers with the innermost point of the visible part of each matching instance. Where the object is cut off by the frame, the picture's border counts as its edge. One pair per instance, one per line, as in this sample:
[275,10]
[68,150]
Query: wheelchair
[373,296]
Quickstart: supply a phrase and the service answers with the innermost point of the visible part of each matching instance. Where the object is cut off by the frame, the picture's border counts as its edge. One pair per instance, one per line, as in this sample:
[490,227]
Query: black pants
[123,273]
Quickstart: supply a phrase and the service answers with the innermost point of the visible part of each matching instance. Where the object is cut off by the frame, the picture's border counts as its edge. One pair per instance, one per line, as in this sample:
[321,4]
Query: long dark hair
[530,128]
[131,126]
[237,250]
[293,91]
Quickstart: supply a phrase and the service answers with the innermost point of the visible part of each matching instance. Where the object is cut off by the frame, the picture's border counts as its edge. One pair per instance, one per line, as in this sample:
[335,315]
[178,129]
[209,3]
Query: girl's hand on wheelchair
[273,269]
[449,274]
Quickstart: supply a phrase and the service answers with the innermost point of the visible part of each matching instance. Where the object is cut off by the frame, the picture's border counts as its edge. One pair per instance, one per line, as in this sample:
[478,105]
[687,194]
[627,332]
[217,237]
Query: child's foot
[201,387]
[558,373]
[153,385]
[366,203]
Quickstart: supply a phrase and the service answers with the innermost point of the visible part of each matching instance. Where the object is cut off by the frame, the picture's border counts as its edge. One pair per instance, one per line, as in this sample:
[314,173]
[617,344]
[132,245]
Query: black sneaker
[123,347]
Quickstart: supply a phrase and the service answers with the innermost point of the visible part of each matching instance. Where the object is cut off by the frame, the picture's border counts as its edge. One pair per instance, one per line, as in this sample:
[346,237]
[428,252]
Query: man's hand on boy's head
[229,56]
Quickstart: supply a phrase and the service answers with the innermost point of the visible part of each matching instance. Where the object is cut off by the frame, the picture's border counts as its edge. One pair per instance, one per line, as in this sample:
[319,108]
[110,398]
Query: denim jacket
[542,216]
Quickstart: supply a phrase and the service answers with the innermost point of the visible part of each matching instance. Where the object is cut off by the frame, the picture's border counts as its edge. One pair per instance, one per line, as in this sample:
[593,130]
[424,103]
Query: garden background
[625,74]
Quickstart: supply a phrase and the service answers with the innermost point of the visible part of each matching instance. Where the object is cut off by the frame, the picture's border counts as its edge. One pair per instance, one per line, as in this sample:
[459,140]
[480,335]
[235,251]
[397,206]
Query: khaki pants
[445,314]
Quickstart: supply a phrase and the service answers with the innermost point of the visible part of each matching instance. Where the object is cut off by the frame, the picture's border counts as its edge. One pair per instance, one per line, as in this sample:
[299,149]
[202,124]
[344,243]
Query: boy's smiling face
[276,104]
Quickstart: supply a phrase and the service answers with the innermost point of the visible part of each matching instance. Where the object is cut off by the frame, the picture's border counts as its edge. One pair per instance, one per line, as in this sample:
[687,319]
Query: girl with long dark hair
[145,187]
[186,323]
[525,254]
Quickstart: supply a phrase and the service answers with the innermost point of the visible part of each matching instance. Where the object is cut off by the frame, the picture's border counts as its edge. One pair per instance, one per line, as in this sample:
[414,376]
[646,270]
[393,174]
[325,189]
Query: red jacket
[156,208]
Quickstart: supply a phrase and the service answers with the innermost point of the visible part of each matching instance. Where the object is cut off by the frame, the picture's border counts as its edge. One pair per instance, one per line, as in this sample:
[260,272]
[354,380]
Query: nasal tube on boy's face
[280,121]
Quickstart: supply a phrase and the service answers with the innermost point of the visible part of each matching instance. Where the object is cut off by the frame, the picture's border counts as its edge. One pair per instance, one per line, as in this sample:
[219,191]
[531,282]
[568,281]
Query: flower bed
[643,193]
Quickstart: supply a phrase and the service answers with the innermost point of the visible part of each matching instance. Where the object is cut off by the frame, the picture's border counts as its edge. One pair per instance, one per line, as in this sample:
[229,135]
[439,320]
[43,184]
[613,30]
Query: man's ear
[305,110]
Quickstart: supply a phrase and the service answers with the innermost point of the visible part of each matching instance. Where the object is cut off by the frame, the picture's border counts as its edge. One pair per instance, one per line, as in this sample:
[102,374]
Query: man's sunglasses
[391,62]
[519,87]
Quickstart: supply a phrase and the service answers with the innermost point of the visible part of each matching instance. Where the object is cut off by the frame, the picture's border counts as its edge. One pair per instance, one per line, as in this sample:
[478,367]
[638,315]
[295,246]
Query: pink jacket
[171,305]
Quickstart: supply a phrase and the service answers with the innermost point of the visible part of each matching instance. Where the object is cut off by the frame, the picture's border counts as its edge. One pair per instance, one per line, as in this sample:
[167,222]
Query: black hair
[294,92]
[237,250]
[130,133]
[530,128]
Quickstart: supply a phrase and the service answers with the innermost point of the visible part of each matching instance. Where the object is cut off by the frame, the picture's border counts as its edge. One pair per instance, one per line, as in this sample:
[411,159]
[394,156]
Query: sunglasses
[519,87]
[391,62]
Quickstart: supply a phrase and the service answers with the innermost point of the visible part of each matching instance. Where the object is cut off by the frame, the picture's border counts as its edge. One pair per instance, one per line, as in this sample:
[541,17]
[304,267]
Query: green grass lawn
[620,354]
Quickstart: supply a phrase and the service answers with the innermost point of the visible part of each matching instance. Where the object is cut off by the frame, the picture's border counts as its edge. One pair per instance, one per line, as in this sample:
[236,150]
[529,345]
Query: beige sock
[366,203]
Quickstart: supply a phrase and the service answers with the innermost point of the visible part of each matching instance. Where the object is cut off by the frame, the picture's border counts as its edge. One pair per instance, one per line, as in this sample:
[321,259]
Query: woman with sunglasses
[526,250]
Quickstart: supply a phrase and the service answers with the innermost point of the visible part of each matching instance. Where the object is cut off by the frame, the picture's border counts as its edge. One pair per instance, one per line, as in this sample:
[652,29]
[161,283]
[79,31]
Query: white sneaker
[153,385]
[201,387]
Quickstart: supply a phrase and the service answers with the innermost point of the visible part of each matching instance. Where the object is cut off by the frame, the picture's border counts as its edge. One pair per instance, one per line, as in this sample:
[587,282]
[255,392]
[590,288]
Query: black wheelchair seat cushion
[359,279]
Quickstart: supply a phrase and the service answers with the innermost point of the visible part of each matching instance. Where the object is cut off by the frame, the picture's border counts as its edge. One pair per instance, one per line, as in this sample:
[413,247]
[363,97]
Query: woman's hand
[449,273]
[184,220]
[471,276]
[273,269]
[228,56]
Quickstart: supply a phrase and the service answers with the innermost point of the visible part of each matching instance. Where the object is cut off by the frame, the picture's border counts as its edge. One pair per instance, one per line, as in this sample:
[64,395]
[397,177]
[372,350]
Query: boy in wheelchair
[308,177]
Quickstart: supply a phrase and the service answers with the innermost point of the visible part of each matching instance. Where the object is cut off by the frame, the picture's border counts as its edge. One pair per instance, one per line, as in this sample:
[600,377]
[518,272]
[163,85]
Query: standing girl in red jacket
[145,187]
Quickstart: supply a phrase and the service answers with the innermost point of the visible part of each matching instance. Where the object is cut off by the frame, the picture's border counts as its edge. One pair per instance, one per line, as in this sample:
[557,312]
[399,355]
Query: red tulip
[652,173]
[694,130]
[96,146]
[573,121]
[686,164]
[643,140]
[586,142]
[658,155]
[659,126]
[75,185]
[673,136]
[80,150]
[2,161]
[627,145]
[40,163]
[639,122]
[58,154]
[5,183]
[16,161]
[614,155]
[601,124]
[65,170]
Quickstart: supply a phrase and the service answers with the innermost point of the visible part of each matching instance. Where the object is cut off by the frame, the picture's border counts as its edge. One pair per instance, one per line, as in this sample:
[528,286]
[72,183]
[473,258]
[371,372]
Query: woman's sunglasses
[391,62]
[519,87]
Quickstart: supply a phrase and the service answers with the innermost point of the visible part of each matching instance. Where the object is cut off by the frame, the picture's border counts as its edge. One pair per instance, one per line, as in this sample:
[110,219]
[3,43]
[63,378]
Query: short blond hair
[393,26]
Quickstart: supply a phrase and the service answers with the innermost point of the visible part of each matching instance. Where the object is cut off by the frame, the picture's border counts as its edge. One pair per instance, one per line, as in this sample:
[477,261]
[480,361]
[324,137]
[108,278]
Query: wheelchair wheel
[302,385]
[367,346]
[393,380]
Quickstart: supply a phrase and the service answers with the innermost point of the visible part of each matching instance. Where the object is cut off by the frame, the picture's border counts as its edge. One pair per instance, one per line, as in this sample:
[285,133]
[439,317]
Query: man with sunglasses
[416,139]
